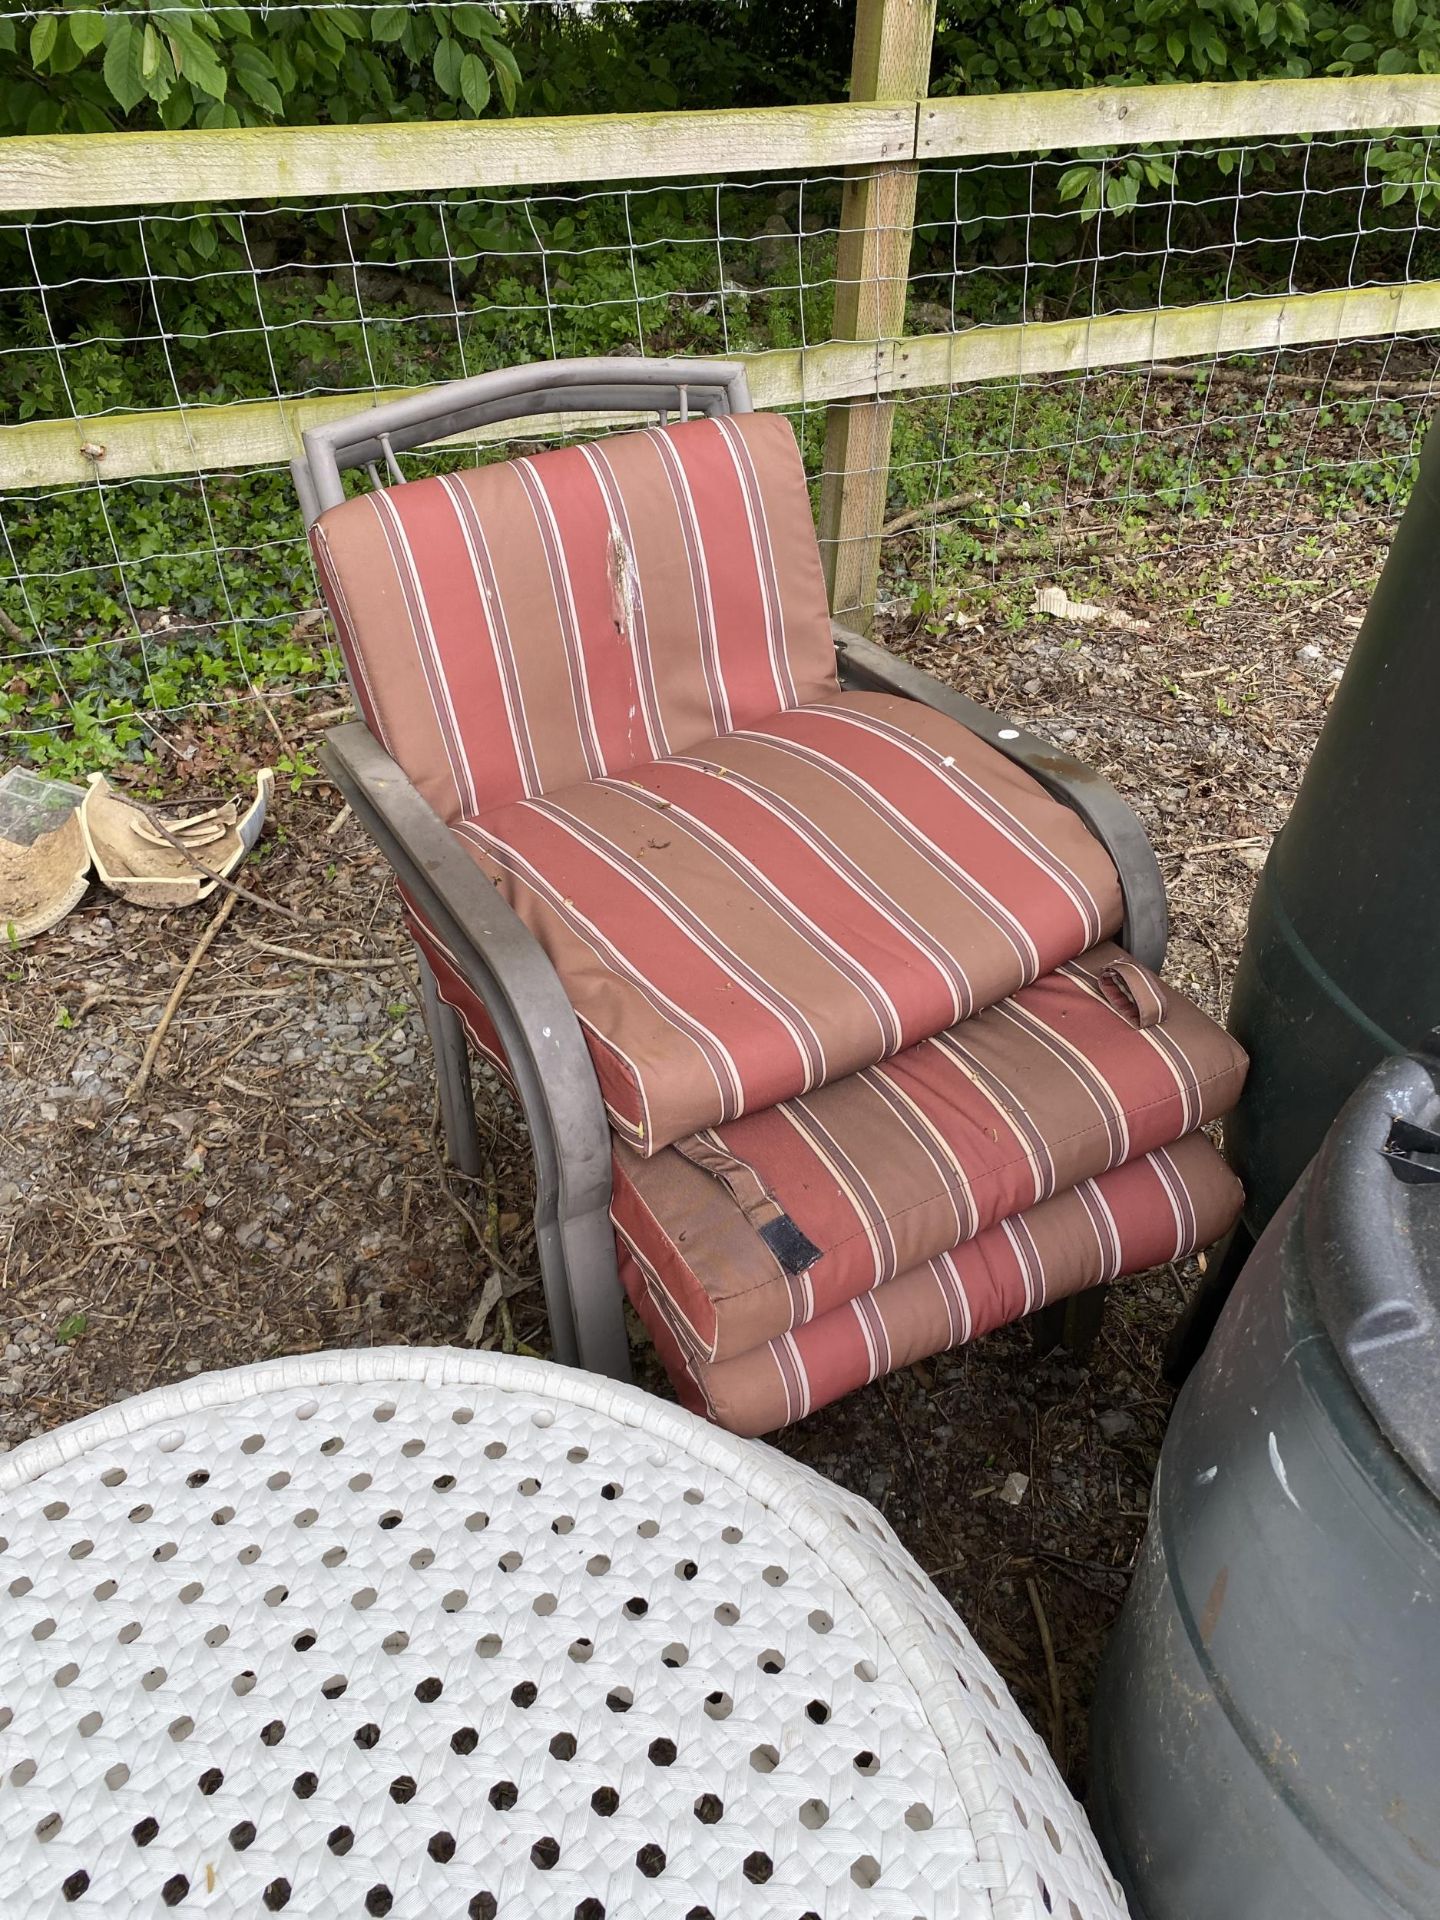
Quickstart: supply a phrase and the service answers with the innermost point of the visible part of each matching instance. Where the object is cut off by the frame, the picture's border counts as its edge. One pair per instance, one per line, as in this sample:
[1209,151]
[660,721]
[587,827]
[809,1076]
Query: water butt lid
[1372,1243]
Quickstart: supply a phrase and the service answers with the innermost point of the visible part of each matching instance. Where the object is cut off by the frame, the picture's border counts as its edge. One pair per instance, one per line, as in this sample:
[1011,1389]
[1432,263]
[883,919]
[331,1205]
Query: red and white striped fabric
[520,627]
[786,904]
[610,669]
[1156,1208]
[876,1080]
[758,1226]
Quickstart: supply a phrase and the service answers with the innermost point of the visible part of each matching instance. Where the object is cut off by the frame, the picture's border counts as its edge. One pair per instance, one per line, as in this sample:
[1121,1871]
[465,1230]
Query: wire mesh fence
[131,598]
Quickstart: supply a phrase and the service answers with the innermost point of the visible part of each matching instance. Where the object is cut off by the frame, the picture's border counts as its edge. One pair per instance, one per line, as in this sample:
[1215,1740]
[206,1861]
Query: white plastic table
[432,1634]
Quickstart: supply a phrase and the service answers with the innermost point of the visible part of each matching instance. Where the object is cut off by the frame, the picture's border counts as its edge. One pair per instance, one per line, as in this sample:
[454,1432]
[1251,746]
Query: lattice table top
[433,1634]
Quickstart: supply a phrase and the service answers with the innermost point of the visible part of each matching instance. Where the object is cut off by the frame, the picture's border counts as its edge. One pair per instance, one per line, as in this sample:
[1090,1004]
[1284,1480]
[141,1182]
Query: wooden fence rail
[882,135]
[184,440]
[91,170]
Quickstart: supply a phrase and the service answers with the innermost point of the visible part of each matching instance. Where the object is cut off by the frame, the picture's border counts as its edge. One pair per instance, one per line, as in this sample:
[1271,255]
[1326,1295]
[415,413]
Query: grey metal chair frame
[500,959]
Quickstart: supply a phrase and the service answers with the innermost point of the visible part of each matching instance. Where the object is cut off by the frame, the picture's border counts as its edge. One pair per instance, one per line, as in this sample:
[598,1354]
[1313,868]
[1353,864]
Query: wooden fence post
[893,40]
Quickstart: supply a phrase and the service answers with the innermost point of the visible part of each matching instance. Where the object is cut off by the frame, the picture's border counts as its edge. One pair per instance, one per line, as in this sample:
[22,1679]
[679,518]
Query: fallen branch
[275,727]
[1350,586]
[177,994]
[916,514]
[492,1294]
[1020,549]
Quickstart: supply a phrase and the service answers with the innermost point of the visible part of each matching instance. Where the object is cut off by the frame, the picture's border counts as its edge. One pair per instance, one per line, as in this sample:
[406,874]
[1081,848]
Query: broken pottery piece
[1057,604]
[195,830]
[156,861]
[44,863]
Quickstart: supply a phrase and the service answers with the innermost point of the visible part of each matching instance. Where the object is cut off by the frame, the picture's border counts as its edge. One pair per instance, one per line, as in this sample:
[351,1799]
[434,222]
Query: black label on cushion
[793,1249]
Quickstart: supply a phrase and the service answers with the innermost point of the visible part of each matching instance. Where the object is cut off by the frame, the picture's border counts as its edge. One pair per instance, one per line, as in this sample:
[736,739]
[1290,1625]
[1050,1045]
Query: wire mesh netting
[175,575]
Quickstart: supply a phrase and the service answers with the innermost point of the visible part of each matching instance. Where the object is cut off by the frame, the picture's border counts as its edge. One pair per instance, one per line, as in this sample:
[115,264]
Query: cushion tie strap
[791,1246]
[1134,992]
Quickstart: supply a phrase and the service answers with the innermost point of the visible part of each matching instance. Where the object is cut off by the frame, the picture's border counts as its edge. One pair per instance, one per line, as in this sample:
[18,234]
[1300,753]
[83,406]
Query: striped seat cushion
[762,1224]
[519,627]
[1159,1207]
[790,902]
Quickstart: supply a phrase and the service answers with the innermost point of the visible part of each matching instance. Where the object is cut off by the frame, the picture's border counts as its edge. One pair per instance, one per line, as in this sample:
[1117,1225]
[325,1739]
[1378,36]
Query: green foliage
[1036,45]
[658,54]
[93,65]
[209,599]
[1020,472]
[981,48]
[183,63]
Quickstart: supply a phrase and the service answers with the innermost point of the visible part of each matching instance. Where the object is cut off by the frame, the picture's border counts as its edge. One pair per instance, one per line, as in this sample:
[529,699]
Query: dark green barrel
[1265,1741]
[1341,964]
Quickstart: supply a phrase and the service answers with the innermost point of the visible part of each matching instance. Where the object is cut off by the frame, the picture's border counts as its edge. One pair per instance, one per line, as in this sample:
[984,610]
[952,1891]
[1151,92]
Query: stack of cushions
[878,1076]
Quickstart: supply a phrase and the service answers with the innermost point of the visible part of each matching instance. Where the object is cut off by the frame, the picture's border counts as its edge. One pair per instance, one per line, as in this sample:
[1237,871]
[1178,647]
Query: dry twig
[1323,385]
[1224,846]
[928,512]
[177,993]
[490,1297]
[1057,1703]
[492,1294]
[275,727]
[324,961]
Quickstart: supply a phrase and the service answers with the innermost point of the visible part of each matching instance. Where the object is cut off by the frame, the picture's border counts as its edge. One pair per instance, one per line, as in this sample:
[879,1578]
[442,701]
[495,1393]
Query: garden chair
[829,996]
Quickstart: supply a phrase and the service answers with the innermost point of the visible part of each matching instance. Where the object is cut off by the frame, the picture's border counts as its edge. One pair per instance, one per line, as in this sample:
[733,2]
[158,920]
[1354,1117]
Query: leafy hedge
[91,65]
[981,48]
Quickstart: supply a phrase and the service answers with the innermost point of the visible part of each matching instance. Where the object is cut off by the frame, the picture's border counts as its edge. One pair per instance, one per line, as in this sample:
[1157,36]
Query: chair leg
[1072,1323]
[452,1073]
[584,1299]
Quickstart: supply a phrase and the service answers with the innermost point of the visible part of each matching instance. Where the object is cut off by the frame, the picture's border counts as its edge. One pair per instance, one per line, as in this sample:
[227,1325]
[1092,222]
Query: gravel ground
[277,1187]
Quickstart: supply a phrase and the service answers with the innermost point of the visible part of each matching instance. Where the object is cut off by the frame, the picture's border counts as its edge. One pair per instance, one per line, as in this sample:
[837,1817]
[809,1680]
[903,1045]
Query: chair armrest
[865,665]
[503,963]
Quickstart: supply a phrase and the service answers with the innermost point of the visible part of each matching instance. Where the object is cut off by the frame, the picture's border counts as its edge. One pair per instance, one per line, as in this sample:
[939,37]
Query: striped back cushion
[520,627]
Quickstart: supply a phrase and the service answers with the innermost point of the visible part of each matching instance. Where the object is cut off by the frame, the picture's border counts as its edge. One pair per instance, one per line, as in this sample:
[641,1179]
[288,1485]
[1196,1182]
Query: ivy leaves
[87,66]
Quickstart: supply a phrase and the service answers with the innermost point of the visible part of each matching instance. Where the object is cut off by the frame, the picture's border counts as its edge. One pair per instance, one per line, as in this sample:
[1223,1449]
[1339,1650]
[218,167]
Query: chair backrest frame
[708,579]
[594,385]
